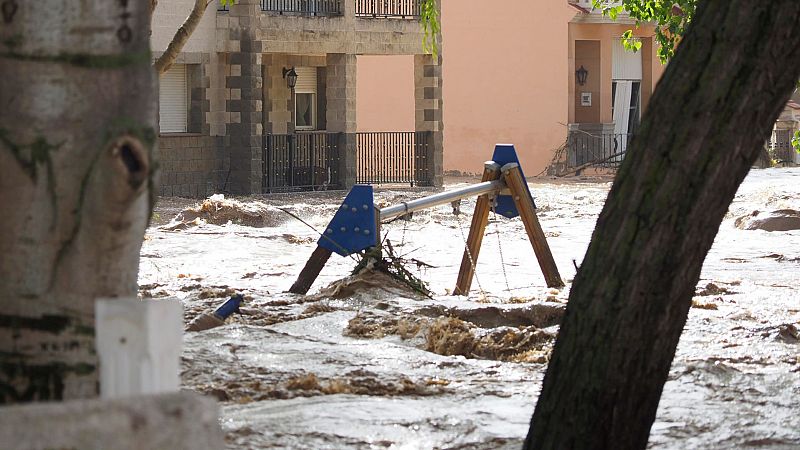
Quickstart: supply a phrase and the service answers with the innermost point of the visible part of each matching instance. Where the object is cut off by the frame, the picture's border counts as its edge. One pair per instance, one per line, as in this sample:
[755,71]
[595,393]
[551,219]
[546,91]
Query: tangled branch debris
[384,259]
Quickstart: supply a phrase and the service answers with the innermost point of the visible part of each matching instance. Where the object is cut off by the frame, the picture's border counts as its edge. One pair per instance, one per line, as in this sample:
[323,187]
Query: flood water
[374,365]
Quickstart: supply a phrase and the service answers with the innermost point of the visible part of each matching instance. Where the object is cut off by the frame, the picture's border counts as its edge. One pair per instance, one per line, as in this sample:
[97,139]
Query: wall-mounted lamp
[291,77]
[580,75]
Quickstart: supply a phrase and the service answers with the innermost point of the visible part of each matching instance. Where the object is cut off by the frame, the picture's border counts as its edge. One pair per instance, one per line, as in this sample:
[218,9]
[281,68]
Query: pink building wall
[385,93]
[505,80]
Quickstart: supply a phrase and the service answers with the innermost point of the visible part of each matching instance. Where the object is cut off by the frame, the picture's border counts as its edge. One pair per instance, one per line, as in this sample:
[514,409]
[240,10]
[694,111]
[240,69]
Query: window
[305,99]
[173,101]
[304,117]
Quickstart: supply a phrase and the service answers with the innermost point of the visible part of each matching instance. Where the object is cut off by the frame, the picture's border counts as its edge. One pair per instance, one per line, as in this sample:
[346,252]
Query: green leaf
[429,17]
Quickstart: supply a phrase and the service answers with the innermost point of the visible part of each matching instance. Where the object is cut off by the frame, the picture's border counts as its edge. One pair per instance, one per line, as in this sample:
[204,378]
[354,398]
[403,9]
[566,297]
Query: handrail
[487,187]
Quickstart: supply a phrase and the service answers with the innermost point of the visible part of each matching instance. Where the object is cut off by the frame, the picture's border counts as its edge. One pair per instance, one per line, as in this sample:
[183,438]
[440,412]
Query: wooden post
[480,218]
[527,213]
[378,242]
[311,270]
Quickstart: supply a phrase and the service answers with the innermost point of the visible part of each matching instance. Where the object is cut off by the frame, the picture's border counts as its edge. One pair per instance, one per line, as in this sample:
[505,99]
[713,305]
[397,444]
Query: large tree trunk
[704,127]
[77,137]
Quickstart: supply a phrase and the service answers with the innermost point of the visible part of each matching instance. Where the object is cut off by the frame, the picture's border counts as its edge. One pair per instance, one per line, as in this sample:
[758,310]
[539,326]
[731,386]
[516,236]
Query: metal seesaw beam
[487,187]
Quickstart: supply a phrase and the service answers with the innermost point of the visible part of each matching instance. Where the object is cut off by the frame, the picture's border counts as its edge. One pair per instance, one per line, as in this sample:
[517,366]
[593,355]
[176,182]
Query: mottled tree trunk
[704,127]
[77,141]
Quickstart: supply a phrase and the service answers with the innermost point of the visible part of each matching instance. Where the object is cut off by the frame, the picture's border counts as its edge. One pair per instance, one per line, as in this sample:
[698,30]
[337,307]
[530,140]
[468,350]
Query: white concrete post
[139,346]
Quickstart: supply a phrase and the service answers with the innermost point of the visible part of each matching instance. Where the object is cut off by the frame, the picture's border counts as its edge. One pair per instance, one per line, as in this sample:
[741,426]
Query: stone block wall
[428,111]
[192,165]
[340,85]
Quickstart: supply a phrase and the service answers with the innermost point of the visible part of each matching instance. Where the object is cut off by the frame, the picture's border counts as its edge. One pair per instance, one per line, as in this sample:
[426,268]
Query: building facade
[611,86]
[511,69]
[788,123]
[231,122]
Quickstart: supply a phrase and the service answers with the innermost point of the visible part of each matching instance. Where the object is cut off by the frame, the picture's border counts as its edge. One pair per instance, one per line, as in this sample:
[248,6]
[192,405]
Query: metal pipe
[486,187]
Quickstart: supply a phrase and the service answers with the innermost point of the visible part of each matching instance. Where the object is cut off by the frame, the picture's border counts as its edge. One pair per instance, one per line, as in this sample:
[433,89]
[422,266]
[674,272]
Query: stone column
[277,95]
[245,84]
[428,113]
[341,111]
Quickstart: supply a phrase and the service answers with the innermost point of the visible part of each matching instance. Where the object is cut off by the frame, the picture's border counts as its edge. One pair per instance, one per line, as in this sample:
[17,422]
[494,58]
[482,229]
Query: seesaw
[356,225]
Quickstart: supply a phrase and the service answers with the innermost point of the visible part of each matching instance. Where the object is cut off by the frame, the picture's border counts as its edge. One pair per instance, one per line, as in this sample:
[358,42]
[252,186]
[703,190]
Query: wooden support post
[378,243]
[311,270]
[524,204]
[480,218]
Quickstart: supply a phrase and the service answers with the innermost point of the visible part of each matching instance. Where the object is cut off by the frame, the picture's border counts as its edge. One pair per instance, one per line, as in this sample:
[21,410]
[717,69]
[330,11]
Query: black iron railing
[403,9]
[604,150]
[393,157]
[301,161]
[780,146]
[303,7]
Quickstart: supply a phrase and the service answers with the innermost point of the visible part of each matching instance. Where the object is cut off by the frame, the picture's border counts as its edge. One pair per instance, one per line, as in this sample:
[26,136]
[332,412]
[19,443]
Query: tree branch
[166,60]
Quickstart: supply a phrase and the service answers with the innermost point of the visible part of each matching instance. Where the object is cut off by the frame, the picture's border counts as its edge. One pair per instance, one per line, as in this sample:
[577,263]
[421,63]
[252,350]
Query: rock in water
[779,220]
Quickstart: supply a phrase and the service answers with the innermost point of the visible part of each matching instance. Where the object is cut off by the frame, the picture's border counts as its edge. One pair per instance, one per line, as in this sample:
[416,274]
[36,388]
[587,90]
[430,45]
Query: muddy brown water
[377,366]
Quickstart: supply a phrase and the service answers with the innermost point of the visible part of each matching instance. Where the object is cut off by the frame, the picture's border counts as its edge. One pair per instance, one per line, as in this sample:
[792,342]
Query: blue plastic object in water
[229,307]
[504,154]
[352,228]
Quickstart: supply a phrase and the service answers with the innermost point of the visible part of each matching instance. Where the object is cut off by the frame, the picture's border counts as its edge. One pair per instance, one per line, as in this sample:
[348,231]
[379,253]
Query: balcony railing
[393,158]
[303,7]
[603,150]
[401,9]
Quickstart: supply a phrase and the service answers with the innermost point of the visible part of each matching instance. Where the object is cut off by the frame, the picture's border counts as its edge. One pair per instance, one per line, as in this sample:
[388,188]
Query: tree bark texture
[77,142]
[183,34]
[705,126]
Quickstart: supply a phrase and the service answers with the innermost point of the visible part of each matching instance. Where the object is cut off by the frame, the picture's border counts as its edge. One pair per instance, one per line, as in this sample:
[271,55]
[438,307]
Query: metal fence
[403,9]
[604,150]
[304,7]
[301,161]
[393,158]
[780,146]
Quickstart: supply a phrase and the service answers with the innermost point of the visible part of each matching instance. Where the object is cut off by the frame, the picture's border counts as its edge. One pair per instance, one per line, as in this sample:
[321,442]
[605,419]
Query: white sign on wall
[586,99]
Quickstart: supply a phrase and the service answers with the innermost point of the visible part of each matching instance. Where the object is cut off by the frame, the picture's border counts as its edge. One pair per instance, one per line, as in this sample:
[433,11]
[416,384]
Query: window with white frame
[173,100]
[305,99]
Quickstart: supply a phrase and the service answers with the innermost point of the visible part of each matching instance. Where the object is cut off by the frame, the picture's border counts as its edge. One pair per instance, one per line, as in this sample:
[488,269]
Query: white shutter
[306,80]
[626,65]
[172,100]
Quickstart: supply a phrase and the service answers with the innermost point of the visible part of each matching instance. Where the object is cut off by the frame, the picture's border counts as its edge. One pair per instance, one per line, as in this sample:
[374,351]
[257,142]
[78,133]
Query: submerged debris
[713,289]
[778,220]
[704,304]
[789,333]
[384,260]
[366,280]
[204,322]
[217,210]
[450,336]
[362,382]
[372,326]
[214,319]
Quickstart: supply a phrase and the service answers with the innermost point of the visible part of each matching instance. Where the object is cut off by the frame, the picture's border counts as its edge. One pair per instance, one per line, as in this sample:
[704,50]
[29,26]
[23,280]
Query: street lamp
[580,75]
[291,77]
[291,81]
